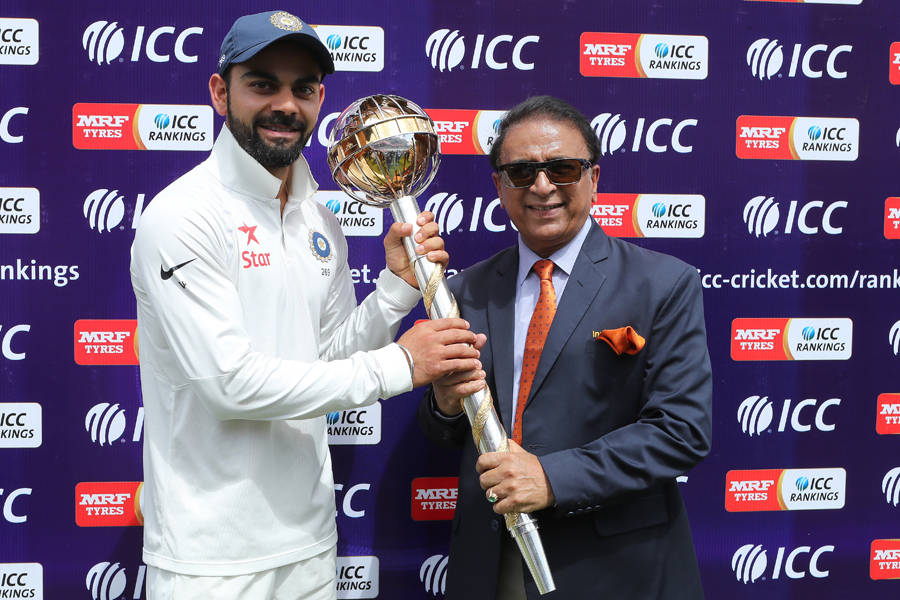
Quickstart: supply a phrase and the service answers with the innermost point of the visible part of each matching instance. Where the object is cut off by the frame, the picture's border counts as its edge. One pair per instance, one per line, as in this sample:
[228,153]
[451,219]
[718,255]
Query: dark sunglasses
[561,171]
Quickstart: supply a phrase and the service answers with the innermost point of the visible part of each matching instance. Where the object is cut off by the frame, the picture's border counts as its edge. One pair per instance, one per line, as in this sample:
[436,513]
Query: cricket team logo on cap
[797,138]
[466,131]
[321,248]
[644,55]
[286,21]
[650,215]
[785,489]
[888,422]
[791,339]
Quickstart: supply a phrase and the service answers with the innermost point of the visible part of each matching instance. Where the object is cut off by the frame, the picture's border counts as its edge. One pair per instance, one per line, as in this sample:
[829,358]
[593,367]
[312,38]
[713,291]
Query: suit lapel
[584,282]
[501,331]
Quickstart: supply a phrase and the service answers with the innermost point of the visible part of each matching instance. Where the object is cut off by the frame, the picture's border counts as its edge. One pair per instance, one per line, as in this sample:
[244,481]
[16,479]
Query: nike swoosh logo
[168,274]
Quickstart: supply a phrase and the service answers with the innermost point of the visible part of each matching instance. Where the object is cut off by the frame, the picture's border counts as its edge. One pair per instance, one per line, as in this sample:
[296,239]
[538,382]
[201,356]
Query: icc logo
[448,213]
[105,41]
[107,581]
[106,423]
[447,49]
[749,563]
[765,58]
[890,486]
[5,134]
[756,412]
[761,215]
[105,209]
[612,134]
[893,337]
[433,574]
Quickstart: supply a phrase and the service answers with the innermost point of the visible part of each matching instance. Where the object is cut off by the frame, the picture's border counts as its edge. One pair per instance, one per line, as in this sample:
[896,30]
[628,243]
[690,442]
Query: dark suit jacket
[612,432]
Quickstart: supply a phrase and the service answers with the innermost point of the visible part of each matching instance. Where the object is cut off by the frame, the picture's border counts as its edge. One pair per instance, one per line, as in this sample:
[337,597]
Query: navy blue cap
[253,33]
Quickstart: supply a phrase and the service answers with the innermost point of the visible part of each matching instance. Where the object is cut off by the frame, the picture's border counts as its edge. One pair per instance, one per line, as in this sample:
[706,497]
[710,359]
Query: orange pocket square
[623,340]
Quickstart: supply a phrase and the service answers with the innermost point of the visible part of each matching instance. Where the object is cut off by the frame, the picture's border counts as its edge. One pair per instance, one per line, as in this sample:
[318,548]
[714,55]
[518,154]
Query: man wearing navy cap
[250,334]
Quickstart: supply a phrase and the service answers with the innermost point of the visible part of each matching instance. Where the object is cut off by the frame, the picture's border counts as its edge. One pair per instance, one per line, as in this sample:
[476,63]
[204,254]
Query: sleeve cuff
[394,369]
[398,290]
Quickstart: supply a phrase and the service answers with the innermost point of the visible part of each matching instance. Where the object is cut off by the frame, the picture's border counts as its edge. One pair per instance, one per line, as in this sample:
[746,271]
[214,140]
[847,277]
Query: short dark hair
[549,108]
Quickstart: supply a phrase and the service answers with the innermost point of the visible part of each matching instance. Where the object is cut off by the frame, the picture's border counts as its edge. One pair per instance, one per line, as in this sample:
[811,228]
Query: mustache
[281,121]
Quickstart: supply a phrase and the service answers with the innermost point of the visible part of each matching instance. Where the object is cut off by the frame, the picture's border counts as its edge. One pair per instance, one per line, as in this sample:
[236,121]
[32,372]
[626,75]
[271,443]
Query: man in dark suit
[609,404]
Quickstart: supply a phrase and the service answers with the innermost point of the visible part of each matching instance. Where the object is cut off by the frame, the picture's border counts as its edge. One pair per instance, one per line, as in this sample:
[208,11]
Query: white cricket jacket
[249,335]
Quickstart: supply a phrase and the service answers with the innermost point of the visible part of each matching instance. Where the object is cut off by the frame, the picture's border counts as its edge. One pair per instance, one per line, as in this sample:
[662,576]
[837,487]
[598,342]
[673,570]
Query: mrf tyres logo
[109,504]
[434,498]
[19,42]
[358,426]
[750,563]
[21,425]
[357,576]
[650,215]
[644,55]
[892,218]
[105,43]
[20,210]
[466,131]
[755,414]
[885,559]
[22,580]
[765,58]
[797,138]
[448,50]
[763,217]
[791,339]
[105,342]
[888,420]
[785,489]
[614,134]
[142,127]
[353,48]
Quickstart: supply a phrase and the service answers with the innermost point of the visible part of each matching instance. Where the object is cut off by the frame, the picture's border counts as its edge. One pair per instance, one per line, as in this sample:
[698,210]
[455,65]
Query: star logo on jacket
[250,230]
[320,246]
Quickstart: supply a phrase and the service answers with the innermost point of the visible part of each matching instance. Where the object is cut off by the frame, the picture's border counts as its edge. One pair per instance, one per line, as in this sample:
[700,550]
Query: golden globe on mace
[383,151]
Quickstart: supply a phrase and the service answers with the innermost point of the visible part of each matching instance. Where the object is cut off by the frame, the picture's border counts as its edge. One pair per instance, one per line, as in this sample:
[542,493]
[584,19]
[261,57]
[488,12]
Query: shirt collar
[231,165]
[564,258]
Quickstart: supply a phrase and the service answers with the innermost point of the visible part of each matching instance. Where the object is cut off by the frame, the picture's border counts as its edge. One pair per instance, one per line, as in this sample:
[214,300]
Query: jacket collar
[230,164]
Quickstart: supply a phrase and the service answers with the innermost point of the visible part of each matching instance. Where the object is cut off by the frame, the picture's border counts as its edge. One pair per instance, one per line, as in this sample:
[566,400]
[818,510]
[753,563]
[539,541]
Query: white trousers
[311,579]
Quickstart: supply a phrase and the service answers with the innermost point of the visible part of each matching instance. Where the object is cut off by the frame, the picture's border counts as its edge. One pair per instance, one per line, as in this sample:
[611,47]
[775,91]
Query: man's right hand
[440,347]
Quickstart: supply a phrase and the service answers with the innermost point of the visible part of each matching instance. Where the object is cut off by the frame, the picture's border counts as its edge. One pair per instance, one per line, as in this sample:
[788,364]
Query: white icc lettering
[818,421]
[5,135]
[348,499]
[808,56]
[8,513]
[7,342]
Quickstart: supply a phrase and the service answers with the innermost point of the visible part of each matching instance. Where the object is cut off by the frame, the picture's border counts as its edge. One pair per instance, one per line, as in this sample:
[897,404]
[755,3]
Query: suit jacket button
[589,509]
[495,525]
[580,511]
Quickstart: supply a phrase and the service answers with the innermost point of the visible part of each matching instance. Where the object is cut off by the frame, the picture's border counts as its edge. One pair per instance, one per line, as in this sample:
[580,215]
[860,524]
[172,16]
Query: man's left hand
[517,479]
[428,242]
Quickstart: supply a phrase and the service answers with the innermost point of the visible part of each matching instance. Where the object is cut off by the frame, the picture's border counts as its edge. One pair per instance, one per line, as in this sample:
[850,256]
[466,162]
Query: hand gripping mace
[385,147]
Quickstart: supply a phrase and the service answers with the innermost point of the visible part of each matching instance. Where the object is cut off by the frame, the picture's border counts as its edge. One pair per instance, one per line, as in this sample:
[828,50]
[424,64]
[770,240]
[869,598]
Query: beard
[270,155]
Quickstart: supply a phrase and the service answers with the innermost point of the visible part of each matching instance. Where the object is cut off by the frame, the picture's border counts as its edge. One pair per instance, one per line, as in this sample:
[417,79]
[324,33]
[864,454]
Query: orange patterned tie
[534,341]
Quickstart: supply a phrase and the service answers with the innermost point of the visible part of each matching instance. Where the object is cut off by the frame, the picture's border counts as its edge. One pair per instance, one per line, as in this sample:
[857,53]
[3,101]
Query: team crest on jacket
[320,246]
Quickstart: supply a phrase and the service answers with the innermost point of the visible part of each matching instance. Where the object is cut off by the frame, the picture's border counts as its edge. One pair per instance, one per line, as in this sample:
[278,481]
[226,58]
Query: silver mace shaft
[487,430]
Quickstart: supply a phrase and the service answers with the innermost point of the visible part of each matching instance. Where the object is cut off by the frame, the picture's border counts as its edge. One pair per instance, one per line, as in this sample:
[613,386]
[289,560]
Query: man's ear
[321,95]
[499,185]
[218,93]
